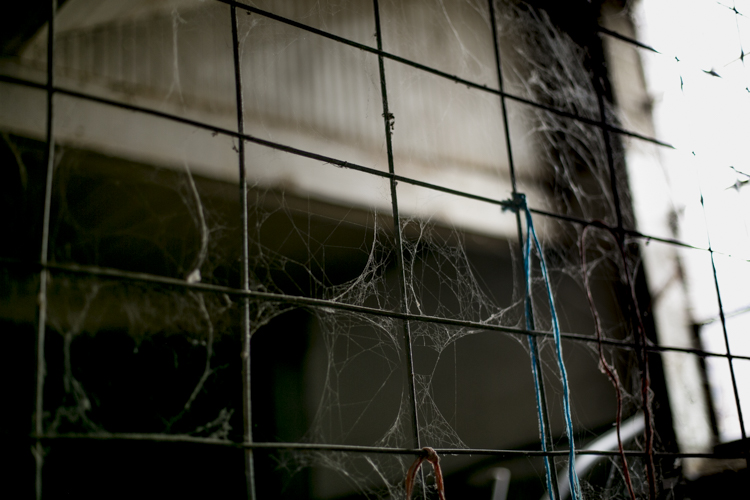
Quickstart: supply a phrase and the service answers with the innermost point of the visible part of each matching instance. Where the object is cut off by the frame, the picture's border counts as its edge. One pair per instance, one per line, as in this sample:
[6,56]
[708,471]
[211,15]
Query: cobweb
[367,329]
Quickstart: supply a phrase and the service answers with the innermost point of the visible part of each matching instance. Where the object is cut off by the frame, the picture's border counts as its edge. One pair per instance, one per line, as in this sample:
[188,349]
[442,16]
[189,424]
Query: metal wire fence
[246,295]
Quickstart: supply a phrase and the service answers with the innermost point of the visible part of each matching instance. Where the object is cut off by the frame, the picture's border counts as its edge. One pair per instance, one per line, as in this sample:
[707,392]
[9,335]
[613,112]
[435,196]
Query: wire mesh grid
[397,310]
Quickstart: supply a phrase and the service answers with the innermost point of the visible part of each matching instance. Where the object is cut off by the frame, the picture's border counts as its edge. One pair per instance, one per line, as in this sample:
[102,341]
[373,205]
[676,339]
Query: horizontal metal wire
[509,453]
[443,74]
[414,64]
[627,39]
[335,161]
[301,301]
[727,315]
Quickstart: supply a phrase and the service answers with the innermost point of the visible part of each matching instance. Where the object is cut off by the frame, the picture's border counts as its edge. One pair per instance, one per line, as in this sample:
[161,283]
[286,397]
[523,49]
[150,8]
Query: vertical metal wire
[722,317]
[247,410]
[43,258]
[547,444]
[403,303]
[610,156]
[640,337]
[730,358]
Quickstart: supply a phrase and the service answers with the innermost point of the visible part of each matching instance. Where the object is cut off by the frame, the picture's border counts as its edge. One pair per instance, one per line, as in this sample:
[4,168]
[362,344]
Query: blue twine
[520,203]
[540,415]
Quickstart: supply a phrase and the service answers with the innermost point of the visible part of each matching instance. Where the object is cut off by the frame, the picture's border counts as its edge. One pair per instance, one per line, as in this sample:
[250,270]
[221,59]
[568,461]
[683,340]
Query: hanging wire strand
[604,365]
[531,239]
[536,367]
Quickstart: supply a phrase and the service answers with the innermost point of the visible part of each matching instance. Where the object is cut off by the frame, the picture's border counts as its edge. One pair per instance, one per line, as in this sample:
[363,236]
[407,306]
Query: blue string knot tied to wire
[518,204]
